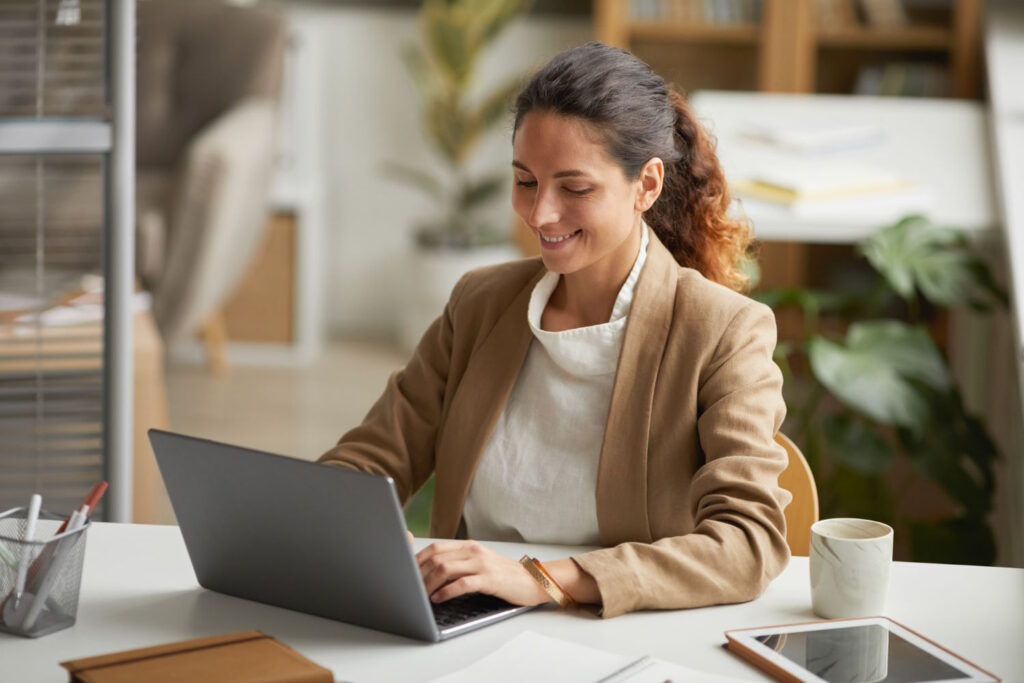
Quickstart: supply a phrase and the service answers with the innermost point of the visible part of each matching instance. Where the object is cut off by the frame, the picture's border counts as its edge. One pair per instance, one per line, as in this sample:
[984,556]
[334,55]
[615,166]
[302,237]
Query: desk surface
[941,144]
[139,590]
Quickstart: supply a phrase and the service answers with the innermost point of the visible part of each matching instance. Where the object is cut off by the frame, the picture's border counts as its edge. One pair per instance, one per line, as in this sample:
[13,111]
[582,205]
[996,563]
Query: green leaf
[415,177]
[914,255]
[810,301]
[955,452]
[446,39]
[497,106]
[856,444]
[417,509]
[480,191]
[966,540]
[877,370]
[849,493]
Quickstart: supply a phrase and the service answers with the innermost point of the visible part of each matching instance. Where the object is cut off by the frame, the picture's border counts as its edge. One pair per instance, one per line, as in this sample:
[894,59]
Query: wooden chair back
[802,512]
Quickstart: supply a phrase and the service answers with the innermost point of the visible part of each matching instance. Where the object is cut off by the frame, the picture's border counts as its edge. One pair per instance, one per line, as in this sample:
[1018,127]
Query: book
[837,190]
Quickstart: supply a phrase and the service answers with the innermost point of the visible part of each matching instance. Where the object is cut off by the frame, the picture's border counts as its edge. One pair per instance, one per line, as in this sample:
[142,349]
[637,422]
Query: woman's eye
[578,192]
[526,183]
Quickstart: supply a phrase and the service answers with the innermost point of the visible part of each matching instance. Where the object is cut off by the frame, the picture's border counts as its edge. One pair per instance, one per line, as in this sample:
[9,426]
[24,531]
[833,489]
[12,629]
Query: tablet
[865,650]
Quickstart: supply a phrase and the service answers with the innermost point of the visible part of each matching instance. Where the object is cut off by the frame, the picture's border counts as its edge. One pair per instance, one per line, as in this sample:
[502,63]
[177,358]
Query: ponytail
[691,215]
[639,118]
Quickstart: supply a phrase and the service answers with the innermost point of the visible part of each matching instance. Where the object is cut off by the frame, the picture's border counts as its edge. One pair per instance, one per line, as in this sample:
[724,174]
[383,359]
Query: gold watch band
[547,582]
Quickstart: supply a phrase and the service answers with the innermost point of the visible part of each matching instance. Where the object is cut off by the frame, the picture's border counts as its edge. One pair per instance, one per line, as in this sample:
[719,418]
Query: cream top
[537,478]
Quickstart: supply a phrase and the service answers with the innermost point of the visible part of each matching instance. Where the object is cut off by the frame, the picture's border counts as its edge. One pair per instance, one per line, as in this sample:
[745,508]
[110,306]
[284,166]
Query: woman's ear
[652,178]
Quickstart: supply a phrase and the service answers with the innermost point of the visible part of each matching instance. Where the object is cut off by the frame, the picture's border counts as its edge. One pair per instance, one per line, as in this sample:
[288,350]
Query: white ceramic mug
[850,560]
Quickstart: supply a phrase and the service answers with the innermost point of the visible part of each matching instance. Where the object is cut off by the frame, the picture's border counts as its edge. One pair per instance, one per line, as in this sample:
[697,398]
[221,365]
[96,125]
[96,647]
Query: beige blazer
[688,503]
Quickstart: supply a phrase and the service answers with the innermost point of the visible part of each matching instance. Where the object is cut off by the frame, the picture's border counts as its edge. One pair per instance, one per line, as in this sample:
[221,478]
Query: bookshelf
[913,47]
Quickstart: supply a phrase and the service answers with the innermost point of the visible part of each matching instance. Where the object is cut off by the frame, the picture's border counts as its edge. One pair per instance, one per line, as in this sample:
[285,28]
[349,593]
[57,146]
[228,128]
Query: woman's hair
[639,117]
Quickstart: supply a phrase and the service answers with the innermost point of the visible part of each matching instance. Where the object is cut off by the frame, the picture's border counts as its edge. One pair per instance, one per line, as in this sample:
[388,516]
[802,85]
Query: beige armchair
[208,85]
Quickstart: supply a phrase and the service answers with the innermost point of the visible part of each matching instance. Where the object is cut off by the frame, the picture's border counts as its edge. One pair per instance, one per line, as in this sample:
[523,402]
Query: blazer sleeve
[738,544]
[397,436]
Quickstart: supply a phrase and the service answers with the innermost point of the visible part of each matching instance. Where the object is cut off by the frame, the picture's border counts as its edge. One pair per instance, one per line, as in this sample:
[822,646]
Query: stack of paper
[814,138]
[835,189]
[534,657]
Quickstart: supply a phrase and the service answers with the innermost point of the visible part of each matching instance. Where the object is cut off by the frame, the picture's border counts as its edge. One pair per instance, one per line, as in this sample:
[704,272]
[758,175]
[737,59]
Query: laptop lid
[306,536]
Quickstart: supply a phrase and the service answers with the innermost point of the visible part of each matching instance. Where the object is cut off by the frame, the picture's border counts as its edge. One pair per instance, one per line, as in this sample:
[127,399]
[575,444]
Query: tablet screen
[864,653]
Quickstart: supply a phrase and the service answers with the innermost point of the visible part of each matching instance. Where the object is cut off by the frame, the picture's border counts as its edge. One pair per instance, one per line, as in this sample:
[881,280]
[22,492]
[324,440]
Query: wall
[371,115]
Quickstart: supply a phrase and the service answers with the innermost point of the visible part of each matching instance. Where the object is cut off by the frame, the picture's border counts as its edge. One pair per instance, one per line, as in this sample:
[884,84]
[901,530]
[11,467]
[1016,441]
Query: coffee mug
[850,560]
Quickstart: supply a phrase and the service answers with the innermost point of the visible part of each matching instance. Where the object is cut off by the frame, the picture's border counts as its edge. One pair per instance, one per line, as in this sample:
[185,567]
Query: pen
[90,501]
[626,673]
[50,573]
[30,531]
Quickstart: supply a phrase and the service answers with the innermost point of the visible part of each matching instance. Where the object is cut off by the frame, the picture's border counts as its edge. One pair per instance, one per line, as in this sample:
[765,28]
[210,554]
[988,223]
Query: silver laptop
[310,537]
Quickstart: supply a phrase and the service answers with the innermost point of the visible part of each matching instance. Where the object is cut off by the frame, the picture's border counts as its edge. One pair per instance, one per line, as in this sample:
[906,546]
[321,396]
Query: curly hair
[639,117]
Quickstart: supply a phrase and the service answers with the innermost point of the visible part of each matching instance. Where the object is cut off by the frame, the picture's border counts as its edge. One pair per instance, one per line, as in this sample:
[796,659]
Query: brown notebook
[246,657]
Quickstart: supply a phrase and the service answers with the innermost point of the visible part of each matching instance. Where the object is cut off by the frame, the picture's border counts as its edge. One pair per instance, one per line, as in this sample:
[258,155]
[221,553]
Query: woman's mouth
[557,241]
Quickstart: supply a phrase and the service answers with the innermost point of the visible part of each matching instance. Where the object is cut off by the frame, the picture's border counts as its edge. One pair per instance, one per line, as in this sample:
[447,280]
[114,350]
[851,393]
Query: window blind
[53,58]
[51,328]
[53,67]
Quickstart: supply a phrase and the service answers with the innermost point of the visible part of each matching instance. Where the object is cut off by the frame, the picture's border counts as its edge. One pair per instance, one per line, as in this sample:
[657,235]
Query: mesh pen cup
[39,579]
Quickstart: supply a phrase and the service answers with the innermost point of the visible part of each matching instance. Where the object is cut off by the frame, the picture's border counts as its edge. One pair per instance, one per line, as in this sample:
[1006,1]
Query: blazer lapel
[622,472]
[482,394]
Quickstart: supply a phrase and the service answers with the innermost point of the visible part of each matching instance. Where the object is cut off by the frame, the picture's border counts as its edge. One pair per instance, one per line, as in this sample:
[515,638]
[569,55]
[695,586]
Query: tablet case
[248,657]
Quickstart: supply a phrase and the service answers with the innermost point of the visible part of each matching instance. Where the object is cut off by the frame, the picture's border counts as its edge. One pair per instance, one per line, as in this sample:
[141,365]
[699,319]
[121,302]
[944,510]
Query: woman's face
[573,196]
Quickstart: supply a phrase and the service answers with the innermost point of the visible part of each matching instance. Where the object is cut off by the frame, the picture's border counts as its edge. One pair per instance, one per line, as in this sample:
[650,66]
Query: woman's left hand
[453,568]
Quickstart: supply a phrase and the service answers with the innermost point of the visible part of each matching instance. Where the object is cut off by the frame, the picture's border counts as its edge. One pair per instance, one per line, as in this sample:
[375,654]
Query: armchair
[208,85]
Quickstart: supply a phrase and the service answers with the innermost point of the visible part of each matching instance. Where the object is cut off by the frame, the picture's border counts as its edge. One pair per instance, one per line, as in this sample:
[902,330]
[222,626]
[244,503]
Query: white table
[139,590]
[941,144]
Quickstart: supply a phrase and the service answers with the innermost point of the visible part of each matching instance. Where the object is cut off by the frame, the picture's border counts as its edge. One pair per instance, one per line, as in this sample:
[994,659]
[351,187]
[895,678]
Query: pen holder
[48,570]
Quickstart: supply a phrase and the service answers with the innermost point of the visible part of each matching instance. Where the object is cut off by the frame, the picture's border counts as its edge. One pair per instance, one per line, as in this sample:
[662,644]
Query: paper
[810,139]
[531,656]
[10,301]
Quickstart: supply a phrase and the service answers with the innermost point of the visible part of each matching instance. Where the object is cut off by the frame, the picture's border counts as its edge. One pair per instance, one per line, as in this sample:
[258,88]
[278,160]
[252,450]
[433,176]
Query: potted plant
[454,35]
[876,407]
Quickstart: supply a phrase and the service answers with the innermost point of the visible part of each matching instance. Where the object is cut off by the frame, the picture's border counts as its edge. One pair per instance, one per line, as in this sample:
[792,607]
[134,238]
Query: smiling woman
[615,392]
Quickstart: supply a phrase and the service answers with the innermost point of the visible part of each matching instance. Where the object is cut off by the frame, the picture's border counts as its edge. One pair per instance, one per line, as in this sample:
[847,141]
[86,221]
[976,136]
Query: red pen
[91,500]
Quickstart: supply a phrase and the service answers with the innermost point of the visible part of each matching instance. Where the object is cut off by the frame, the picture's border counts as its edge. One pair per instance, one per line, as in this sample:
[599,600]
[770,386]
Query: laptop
[315,538]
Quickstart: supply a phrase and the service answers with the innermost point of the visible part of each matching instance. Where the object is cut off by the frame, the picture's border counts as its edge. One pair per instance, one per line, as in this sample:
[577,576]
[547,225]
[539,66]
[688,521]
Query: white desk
[139,589]
[942,144]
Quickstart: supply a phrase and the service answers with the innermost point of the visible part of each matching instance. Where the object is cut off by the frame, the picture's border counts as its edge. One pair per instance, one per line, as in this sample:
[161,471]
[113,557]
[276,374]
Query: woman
[615,392]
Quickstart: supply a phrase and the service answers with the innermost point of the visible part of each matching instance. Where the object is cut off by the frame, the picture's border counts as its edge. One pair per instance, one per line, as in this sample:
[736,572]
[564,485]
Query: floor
[299,412]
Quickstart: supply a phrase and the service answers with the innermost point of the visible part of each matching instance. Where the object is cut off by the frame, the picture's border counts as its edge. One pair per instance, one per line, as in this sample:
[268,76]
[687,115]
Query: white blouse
[537,478]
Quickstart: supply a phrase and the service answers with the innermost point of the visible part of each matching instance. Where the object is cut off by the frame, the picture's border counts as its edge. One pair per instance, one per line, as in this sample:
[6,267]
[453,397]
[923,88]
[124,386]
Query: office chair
[802,512]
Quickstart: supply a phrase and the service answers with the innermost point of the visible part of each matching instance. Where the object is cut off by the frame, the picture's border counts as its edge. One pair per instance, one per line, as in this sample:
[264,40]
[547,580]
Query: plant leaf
[877,370]
[966,540]
[856,444]
[914,255]
[955,452]
[418,178]
[480,192]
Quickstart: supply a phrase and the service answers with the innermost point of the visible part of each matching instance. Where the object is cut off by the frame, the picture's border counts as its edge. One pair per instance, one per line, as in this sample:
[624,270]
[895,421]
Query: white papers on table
[80,311]
[11,301]
[814,138]
[531,656]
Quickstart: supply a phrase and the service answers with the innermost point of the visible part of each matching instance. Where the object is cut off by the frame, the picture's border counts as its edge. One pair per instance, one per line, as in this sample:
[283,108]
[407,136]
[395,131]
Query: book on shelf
[836,14]
[723,12]
[834,190]
[903,79]
[884,13]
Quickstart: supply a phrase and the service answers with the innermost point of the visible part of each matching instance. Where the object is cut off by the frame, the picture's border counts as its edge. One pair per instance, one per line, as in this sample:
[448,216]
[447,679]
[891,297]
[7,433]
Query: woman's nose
[545,210]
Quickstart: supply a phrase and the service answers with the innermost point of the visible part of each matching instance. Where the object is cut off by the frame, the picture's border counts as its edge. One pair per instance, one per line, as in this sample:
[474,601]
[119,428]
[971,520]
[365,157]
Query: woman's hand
[453,568]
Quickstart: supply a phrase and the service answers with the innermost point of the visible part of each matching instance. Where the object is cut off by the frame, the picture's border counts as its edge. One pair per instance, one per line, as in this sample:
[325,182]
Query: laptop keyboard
[465,608]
